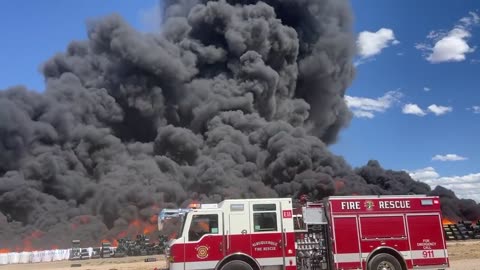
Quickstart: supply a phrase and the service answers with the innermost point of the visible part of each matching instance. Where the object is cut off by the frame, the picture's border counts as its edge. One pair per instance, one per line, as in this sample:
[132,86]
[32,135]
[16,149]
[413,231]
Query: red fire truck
[339,232]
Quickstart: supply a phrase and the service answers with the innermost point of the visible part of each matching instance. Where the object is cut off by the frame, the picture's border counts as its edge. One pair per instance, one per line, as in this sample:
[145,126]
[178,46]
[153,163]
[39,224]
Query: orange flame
[137,226]
[447,221]
[339,185]
[27,241]
[113,242]
[173,235]
[122,234]
[4,250]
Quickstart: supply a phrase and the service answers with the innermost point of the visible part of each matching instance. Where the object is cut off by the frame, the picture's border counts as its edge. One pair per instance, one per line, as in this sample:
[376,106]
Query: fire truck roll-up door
[204,240]
[426,240]
[346,242]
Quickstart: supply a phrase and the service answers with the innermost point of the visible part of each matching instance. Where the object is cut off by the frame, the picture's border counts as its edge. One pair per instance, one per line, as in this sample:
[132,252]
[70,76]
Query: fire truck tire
[236,265]
[384,261]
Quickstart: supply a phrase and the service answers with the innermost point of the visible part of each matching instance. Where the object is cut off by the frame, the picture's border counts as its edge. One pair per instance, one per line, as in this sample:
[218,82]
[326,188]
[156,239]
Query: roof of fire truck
[166,213]
[233,201]
[380,196]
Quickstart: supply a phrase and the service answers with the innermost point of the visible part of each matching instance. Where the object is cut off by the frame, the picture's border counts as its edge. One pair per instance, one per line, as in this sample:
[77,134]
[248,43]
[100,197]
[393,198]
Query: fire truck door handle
[228,241]
[244,231]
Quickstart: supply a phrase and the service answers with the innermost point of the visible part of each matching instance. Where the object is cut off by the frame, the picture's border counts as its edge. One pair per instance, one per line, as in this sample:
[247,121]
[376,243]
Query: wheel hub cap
[385,266]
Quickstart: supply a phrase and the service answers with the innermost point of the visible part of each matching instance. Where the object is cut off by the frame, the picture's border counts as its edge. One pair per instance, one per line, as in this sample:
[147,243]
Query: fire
[146,226]
[80,221]
[4,250]
[447,221]
[113,242]
[173,235]
[122,234]
[138,226]
[27,241]
[339,185]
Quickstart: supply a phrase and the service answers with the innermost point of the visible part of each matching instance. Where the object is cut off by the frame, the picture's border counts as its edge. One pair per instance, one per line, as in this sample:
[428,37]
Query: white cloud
[367,107]
[472,19]
[413,109]
[439,110]
[426,89]
[424,174]
[449,157]
[465,186]
[475,109]
[450,46]
[372,43]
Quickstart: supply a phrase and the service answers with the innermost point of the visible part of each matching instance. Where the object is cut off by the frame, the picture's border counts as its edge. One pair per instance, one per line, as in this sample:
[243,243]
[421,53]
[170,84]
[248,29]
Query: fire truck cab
[356,232]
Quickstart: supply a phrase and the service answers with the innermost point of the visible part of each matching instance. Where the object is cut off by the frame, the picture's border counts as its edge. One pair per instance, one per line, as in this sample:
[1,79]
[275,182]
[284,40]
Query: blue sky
[425,55]
[412,56]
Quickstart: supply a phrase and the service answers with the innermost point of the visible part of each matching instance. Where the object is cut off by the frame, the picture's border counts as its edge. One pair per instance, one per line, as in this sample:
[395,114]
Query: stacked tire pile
[106,251]
[141,246]
[463,230]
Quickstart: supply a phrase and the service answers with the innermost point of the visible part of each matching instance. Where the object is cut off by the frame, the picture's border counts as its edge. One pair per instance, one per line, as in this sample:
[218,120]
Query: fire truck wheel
[384,261]
[236,265]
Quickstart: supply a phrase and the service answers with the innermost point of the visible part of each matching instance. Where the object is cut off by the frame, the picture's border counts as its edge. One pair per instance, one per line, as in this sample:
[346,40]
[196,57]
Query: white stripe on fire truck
[276,261]
[426,254]
[211,264]
[407,255]
[193,265]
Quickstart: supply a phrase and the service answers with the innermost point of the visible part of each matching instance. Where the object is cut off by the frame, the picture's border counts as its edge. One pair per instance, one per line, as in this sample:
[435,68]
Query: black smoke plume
[232,99]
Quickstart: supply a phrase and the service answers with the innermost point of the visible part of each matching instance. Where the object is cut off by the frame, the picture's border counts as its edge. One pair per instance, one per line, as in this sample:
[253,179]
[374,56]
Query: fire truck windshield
[171,222]
[181,225]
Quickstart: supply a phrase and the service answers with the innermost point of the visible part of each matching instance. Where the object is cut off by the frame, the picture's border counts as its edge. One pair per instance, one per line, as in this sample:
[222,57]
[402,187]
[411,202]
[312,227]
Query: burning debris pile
[232,99]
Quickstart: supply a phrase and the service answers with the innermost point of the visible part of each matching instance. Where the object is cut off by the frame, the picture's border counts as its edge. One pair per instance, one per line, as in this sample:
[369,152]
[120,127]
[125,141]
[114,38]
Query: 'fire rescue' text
[381,205]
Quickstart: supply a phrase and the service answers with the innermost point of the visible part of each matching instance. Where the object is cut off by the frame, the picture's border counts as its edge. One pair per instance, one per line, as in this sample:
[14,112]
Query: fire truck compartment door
[346,243]
[204,240]
[267,237]
[238,230]
[426,239]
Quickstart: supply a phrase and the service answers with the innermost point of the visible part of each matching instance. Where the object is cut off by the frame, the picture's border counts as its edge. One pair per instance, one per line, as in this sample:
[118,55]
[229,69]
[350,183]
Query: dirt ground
[127,263]
[464,255]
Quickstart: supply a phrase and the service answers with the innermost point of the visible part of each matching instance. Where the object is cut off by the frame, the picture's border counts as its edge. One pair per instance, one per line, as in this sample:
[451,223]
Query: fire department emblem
[369,205]
[202,252]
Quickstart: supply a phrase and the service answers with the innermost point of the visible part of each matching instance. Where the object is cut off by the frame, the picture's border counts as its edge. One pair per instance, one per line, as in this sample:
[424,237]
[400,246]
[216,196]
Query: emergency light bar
[209,206]
[429,202]
[203,205]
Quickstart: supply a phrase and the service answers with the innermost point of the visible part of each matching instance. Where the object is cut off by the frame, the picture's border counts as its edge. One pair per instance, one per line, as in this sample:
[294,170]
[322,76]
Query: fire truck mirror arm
[390,251]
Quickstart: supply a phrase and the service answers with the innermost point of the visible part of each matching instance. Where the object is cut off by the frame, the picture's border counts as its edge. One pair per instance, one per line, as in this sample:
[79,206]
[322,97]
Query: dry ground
[464,255]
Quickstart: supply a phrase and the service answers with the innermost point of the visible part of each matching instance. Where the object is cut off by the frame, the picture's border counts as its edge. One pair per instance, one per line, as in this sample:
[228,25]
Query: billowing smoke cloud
[233,99]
